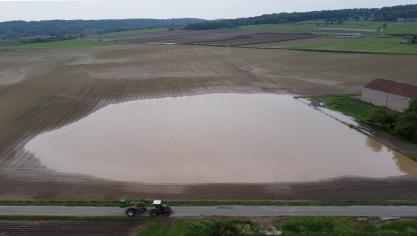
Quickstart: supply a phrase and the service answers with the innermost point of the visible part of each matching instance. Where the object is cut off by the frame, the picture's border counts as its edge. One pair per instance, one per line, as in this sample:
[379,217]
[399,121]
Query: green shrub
[370,228]
[406,226]
[384,117]
[413,106]
[407,125]
[225,227]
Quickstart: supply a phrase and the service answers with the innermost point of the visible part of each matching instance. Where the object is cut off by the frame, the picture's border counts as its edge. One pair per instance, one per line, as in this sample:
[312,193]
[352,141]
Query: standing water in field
[216,138]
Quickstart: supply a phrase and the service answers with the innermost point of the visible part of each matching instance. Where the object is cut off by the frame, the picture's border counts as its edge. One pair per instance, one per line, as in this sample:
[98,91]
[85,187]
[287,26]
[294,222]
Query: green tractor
[157,209]
[139,208]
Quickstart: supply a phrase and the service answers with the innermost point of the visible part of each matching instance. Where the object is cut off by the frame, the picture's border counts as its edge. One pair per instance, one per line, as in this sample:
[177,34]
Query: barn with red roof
[388,93]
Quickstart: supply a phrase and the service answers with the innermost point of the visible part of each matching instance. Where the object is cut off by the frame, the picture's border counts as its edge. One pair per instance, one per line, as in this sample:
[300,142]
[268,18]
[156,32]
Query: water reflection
[374,145]
[405,164]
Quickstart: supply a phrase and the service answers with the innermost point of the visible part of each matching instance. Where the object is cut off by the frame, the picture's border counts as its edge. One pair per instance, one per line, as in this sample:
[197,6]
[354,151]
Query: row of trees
[379,14]
[76,28]
[403,124]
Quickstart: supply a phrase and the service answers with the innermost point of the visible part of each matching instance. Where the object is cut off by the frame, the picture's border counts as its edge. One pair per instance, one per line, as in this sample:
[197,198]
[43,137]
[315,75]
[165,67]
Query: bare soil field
[64,85]
[41,228]
[211,38]
[284,44]
[254,38]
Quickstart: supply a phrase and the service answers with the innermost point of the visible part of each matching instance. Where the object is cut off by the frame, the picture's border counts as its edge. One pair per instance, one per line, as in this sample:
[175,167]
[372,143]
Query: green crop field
[366,25]
[401,28]
[312,26]
[362,45]
[73,43]
[391,28]
[132,32]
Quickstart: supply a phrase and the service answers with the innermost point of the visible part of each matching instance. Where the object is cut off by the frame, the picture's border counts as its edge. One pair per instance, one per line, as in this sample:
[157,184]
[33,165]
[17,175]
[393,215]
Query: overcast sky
[162,9]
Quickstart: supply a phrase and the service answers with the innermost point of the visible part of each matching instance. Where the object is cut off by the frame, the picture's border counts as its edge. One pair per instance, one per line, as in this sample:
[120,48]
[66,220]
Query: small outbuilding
[350,35]
[391,94]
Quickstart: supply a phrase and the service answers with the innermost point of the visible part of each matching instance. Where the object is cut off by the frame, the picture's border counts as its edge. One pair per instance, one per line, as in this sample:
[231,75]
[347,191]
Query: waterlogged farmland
[215,138]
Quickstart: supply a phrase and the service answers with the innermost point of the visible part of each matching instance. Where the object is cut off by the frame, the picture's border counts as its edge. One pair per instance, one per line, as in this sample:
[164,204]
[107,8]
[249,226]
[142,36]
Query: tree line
[377,14]
[39,30]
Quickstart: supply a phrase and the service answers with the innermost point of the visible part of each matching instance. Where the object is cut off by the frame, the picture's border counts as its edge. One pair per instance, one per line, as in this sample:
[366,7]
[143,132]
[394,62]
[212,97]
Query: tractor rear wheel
[131,212]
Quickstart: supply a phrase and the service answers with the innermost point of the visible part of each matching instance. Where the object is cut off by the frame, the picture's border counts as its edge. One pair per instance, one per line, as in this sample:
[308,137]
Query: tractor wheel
[154,213]
[130,212]
[166,214]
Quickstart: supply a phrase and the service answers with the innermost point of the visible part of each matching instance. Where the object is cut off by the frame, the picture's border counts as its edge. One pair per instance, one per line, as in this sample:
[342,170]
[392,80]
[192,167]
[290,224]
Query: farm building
[349,35]
[391,94]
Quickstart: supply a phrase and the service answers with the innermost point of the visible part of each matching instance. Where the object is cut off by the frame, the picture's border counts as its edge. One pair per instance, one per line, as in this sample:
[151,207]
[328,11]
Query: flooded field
[216,138]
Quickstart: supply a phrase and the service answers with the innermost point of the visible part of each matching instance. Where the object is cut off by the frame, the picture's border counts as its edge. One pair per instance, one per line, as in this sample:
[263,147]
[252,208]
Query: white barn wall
[390,100]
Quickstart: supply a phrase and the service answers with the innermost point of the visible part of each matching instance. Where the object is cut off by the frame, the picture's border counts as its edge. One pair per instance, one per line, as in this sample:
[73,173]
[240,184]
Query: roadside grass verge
[322,225]
[73,43]
[345,226]
[201,227]
[403,226]
[115,203]
[361,45]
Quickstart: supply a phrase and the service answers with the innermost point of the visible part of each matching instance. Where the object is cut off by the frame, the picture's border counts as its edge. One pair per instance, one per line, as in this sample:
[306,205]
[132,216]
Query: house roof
[394,87]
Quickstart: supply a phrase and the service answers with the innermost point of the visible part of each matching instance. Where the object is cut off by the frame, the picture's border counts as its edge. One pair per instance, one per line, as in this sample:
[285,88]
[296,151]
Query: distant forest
[332,16]
[76,28]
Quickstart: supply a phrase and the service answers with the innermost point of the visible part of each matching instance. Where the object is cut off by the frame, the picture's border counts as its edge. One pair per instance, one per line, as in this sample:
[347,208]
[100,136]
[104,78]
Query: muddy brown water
[215,138]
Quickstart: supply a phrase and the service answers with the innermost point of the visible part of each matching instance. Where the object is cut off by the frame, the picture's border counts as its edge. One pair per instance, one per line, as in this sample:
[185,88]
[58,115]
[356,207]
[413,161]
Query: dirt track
[68,84]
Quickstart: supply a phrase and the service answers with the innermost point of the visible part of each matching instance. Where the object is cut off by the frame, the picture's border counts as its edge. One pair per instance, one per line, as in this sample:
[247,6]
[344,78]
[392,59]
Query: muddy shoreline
[45,184]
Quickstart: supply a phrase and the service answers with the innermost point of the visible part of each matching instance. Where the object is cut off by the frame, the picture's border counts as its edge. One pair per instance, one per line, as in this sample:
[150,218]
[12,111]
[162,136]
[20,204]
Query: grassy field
[401,28]
[132,32]
[366,25]
[311,26]
[299,27]
[362,45]
[349,105]
[73,43]
[392,28]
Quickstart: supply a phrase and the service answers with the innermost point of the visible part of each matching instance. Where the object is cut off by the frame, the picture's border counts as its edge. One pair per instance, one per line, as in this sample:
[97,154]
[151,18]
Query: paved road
[376,211]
